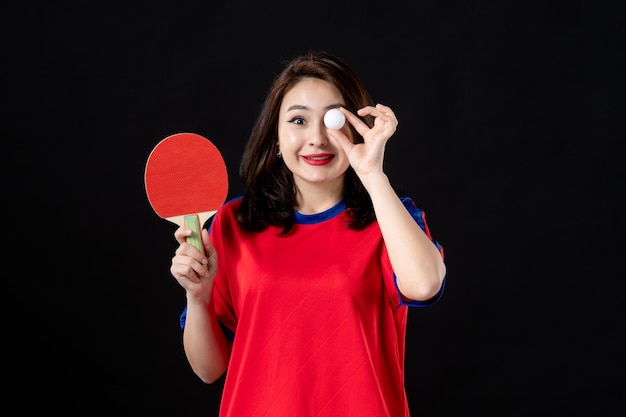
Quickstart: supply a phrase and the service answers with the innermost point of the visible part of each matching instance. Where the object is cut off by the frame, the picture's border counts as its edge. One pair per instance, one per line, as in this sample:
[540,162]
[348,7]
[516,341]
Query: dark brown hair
[269,191]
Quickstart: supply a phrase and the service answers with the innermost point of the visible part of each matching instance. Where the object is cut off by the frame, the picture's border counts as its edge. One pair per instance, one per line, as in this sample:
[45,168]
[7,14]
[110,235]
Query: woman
[303,295]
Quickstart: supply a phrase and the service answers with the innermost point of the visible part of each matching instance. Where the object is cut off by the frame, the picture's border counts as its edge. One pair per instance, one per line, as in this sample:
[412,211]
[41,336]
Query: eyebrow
[302,107]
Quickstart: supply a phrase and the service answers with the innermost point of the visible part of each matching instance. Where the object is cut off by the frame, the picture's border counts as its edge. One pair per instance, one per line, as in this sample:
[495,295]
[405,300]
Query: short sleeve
[420,217]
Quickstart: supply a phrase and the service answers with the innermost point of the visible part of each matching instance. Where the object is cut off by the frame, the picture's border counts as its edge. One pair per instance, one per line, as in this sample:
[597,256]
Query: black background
[511,137]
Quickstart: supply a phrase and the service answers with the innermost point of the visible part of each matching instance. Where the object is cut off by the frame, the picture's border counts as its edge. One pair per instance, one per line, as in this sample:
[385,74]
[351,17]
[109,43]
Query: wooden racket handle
[192,221]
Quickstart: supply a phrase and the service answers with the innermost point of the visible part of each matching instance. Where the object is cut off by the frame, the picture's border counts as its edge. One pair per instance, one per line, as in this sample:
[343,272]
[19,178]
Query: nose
[318,136]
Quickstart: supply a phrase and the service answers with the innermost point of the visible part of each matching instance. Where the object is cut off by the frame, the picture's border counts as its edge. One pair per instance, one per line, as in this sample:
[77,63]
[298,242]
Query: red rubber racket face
[185,174]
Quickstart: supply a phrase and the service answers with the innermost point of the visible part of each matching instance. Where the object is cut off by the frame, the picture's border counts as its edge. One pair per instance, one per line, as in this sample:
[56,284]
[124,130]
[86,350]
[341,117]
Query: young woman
[303,295]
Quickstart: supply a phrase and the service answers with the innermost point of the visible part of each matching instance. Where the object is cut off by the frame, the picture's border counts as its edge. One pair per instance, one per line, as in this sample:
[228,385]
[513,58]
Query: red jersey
[318,322]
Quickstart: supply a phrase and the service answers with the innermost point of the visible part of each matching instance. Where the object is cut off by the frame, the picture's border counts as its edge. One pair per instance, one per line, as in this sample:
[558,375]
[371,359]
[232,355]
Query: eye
[297,121]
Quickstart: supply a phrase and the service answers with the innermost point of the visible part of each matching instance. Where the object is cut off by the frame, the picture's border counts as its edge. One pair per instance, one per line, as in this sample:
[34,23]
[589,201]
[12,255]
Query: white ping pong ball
[334,119]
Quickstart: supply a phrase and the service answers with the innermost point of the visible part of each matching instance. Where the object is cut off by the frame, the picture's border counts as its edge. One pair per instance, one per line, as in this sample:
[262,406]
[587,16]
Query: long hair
[269,191]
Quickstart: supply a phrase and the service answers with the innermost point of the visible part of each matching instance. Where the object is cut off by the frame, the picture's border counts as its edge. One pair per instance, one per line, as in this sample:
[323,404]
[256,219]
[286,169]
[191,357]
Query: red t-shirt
[318,322]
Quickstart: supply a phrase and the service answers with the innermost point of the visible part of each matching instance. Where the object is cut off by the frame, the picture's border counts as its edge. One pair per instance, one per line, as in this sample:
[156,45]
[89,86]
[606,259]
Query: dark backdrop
[511,137]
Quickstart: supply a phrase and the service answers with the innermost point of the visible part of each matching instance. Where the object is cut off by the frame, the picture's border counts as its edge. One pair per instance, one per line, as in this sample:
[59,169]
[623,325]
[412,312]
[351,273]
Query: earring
[279,154]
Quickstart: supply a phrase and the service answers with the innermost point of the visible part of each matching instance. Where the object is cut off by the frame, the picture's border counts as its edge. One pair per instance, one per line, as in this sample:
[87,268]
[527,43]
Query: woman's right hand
[193,270]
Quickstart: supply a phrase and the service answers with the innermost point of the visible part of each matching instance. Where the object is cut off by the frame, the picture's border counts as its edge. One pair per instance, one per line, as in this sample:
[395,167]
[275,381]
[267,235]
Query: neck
[312,200]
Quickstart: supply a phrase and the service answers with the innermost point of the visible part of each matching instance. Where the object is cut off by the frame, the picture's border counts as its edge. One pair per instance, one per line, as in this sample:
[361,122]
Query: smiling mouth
[318,159]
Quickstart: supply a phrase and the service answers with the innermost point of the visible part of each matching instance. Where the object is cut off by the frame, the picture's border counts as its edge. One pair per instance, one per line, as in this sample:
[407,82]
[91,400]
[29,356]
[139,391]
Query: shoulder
[232,204]
[228,211]
[417,213]
[409,204]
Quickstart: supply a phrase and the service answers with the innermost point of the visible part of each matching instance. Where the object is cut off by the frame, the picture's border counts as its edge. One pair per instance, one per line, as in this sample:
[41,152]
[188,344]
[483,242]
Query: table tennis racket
[186,181]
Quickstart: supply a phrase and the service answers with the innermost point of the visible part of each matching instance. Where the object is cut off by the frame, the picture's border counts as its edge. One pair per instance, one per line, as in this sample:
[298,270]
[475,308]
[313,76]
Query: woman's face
[306,150]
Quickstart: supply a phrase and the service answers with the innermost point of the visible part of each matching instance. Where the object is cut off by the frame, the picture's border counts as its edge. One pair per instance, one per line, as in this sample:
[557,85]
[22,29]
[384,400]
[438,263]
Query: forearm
[205,344]
[416,261]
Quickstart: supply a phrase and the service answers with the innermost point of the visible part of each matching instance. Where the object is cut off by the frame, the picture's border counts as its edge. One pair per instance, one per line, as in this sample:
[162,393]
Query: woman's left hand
[367,157]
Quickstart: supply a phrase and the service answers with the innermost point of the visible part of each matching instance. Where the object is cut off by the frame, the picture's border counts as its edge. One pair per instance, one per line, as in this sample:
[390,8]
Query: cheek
[288,141]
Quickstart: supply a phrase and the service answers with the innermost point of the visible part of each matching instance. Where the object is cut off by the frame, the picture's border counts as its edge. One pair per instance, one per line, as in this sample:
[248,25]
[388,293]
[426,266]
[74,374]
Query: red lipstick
[318,158]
